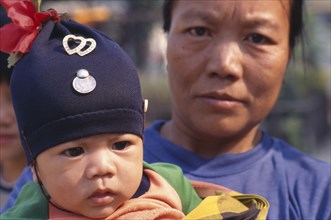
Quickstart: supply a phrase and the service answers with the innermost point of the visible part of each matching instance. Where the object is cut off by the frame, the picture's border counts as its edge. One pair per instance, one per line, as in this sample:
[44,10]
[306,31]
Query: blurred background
[302,115]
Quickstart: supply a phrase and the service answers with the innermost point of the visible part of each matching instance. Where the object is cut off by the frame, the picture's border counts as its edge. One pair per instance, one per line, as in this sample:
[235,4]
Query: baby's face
[93,176]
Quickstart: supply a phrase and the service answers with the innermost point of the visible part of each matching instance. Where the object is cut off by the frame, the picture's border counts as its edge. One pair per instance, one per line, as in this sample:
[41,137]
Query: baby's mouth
[102,197]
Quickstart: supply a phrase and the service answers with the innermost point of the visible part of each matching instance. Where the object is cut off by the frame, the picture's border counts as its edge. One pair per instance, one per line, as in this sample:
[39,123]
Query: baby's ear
[35,179]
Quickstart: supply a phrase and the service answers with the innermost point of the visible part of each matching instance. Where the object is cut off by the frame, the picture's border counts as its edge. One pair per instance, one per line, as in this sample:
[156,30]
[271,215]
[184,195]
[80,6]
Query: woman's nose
[101,164]
[225,60]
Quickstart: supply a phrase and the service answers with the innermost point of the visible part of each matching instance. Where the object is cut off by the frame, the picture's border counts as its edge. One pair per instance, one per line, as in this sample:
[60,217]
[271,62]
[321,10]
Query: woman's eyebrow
[261,21]
[198,15]
[254,21]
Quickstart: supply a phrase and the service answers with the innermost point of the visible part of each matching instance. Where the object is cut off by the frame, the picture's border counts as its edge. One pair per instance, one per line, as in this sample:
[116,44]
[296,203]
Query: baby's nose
[101,164]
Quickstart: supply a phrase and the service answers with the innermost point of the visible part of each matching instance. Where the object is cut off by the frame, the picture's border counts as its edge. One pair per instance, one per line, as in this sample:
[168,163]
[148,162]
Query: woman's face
[93,176]
[10,145]
[226,64]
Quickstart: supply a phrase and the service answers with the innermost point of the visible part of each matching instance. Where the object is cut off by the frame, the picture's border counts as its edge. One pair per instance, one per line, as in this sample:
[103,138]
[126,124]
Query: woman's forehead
[270,14]
[229,8]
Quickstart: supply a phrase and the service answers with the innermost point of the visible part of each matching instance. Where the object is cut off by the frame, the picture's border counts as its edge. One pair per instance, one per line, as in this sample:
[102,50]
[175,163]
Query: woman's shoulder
[302,171]
[308,179]
[295,158]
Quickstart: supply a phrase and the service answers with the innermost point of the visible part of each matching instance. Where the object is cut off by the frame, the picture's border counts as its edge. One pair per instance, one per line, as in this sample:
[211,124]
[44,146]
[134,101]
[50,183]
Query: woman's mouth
[220,101]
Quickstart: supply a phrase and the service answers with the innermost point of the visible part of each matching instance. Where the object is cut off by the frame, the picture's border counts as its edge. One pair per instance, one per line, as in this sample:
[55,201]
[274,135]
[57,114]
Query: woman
[226,65]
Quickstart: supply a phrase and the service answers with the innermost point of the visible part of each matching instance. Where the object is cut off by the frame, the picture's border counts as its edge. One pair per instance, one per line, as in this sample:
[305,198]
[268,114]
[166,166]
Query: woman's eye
[120,145]
[258,39]
[74,152]
[199,31]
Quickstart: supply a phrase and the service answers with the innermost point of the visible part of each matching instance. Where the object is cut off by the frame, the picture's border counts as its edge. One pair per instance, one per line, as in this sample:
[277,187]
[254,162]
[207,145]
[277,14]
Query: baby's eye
[258,39]
[199,31]
[74,152]
[120,145]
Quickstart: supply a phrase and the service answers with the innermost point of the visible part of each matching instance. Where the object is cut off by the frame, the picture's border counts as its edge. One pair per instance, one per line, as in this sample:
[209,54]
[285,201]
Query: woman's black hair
[166,13]
[5,72]
[296,22]
[296,19]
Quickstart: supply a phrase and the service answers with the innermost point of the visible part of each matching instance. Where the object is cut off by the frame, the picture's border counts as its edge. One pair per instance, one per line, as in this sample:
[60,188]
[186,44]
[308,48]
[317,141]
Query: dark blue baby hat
[74,82]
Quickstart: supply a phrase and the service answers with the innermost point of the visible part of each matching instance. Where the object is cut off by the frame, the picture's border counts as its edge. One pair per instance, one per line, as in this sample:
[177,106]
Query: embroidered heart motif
[82,42]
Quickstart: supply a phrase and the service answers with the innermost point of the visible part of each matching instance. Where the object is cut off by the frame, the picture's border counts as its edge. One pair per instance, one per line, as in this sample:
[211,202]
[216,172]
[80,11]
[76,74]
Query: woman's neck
[209,147]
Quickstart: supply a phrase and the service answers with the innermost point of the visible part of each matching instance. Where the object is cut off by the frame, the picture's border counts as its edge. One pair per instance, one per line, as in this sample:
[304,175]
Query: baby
[80,113]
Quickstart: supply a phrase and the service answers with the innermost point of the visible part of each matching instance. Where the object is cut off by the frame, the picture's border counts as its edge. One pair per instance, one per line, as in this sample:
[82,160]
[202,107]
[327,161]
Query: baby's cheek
[58,188]
[64,194]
